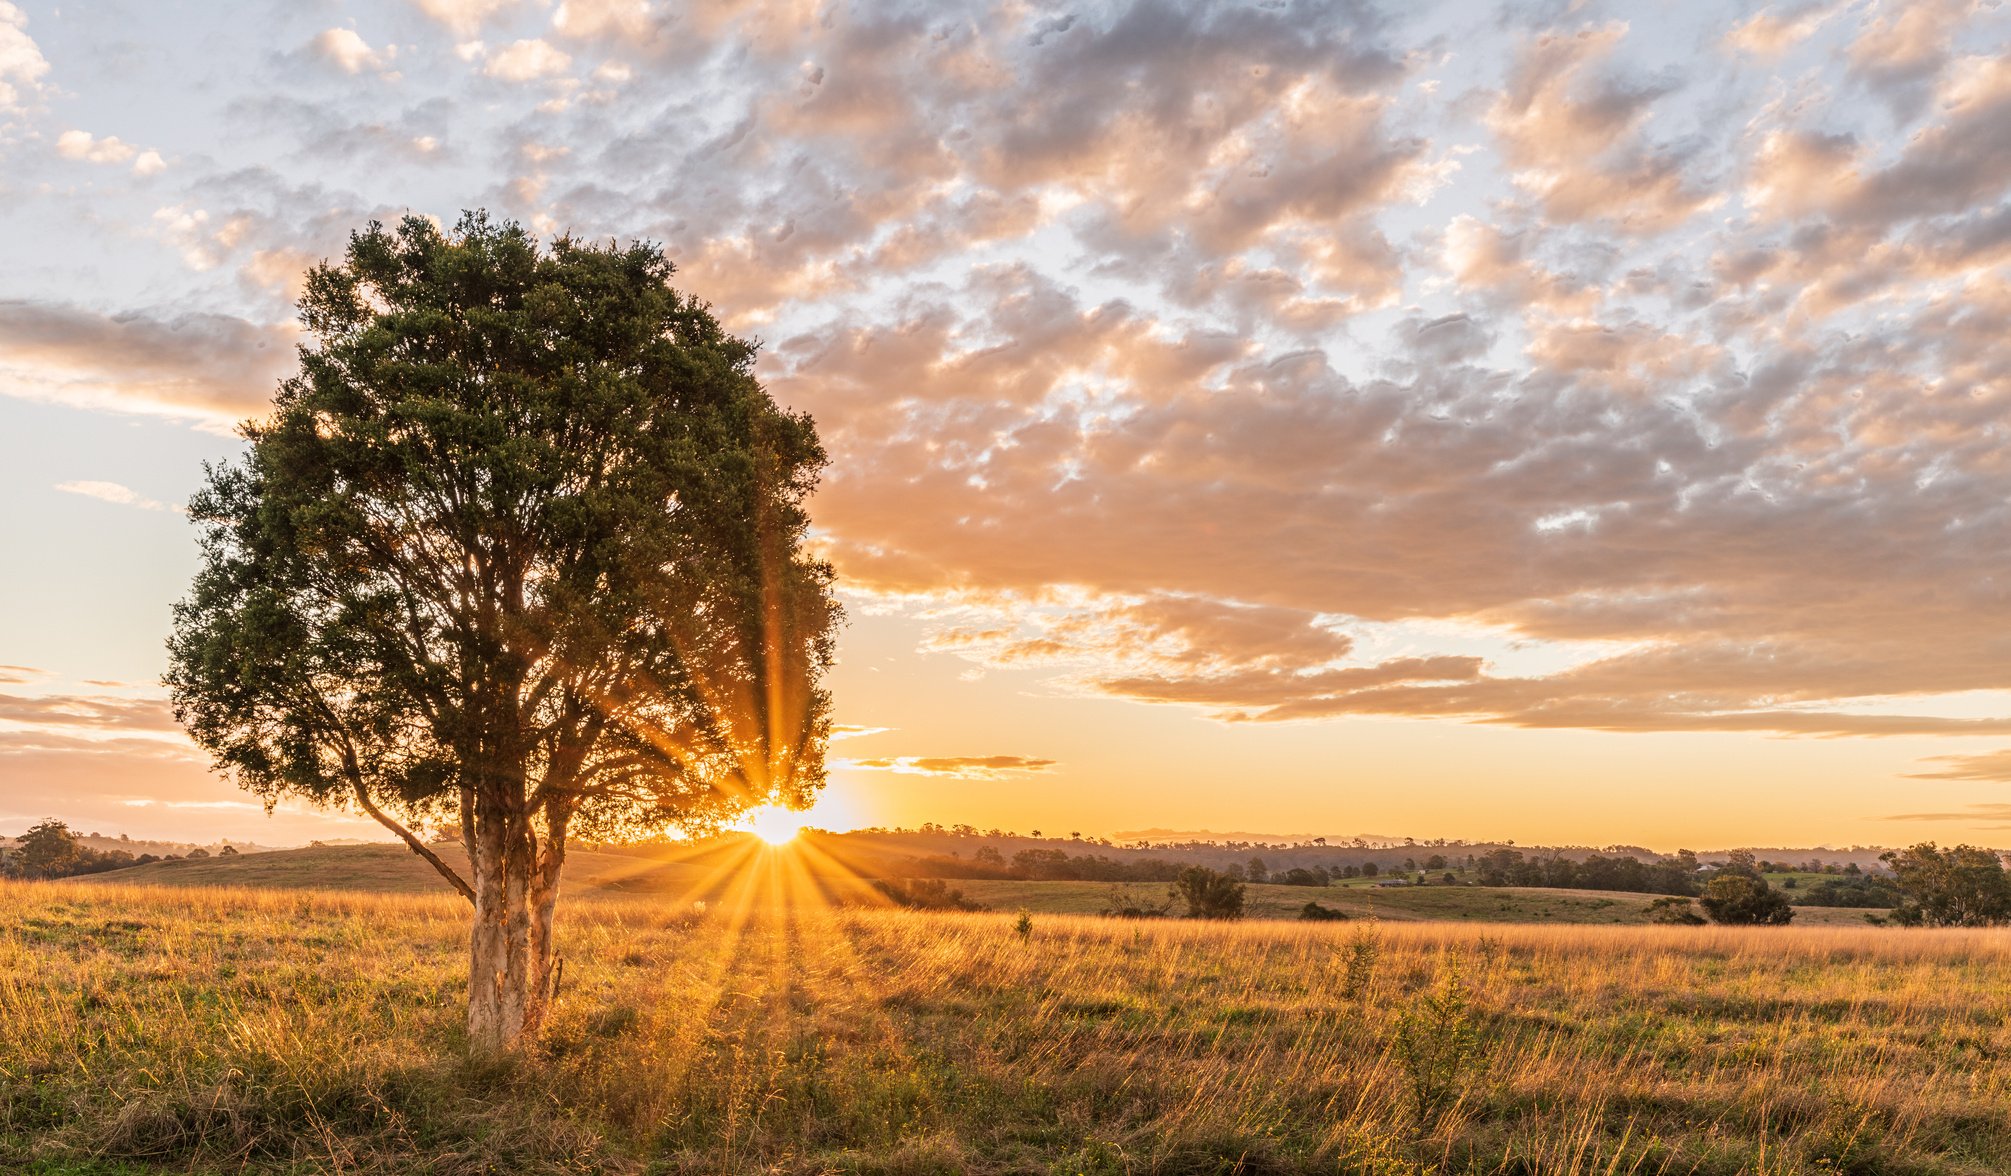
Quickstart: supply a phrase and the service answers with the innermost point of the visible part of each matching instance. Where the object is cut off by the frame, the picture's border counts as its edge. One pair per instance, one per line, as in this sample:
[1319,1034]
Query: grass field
[288,1031]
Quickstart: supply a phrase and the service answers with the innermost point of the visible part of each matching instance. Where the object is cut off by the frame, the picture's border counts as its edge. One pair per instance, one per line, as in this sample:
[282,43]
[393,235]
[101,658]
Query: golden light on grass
[755,1035]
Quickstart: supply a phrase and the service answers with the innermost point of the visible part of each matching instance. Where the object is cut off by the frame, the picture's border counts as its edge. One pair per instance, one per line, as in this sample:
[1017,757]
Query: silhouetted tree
[519,548]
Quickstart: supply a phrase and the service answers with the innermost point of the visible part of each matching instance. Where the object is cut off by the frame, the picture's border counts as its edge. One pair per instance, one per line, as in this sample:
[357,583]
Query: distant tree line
[52,850]
[1508,867]
[1058,865]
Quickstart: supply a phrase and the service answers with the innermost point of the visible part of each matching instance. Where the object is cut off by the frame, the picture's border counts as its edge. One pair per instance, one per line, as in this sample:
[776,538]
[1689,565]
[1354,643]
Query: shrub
[1437,1042]
[926,894]
[1210,894]
[1359,966]
[1745,900]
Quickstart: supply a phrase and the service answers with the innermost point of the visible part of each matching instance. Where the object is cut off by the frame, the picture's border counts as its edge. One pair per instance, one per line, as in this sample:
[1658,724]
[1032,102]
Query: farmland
[208,1029]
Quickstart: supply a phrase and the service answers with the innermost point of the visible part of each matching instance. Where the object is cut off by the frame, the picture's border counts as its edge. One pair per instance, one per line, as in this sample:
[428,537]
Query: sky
[1569,422]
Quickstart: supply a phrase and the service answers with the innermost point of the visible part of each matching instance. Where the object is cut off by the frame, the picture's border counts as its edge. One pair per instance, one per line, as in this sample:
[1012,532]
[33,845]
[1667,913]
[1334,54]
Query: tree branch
[418,846]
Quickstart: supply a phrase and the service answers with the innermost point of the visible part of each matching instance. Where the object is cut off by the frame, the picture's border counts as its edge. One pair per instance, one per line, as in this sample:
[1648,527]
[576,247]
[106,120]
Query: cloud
[348,51]
[22,65]
[463,17]
[1992,767]
[83,146]
[204,366]
[1239,358]
[1899,53]
[1576,136]
[854,731]
[1771,32]
[955,767]
[1975,814]
[1767,538]
[88,712]
[113,493]
[527,60]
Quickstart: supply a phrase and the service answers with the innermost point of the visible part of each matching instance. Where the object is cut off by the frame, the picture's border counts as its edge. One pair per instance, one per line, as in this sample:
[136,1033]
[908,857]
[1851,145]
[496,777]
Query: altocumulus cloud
[1290,362]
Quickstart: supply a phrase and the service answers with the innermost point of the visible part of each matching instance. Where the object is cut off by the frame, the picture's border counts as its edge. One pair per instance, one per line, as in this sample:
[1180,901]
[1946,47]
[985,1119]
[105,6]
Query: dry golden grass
[212,1030]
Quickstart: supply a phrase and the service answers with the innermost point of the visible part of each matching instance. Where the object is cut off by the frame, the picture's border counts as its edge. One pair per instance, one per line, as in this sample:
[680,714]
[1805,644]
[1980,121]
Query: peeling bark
[510,942]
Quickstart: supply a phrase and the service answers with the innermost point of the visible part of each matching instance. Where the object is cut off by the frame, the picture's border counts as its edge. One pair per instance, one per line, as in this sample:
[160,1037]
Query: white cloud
[463,16]
[113,493]
[86,147]
[527,60]
[21,62]
[350,53]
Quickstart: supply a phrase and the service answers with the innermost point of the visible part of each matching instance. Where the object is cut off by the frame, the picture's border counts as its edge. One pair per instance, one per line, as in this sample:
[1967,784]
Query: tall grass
[302,1032]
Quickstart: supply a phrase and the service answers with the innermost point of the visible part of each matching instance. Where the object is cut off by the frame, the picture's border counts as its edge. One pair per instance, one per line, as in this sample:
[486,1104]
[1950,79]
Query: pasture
[194,1029]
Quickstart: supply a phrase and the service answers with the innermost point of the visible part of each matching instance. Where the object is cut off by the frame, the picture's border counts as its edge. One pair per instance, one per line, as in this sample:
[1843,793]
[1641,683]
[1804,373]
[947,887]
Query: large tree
[1961,886]
[519,549]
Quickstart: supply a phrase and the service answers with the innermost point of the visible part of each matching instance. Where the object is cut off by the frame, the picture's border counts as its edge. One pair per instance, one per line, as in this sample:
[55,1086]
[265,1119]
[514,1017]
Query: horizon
[1569,427]
[1337,843]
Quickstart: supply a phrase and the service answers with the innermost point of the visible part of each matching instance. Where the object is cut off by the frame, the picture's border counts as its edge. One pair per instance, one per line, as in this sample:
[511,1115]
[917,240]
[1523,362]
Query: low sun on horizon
[774,824]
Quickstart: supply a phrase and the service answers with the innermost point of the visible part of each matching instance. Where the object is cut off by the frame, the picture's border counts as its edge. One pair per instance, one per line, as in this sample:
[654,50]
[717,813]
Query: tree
[519,549]
[1257,871]
[1210,894]
[1962,886]
[49,850]
[1745,899]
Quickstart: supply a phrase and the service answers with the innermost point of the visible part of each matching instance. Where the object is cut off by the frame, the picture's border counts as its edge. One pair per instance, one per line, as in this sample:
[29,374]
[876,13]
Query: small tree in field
[519,549]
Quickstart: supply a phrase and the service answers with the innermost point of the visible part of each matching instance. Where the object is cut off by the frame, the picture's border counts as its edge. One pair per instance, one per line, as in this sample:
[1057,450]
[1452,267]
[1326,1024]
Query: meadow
[200,1030]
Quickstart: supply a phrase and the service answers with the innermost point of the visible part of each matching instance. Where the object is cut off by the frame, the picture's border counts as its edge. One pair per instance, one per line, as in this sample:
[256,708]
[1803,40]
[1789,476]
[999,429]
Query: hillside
[382,869]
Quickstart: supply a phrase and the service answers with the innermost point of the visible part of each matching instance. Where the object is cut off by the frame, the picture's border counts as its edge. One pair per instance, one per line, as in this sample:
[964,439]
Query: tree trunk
[510,943]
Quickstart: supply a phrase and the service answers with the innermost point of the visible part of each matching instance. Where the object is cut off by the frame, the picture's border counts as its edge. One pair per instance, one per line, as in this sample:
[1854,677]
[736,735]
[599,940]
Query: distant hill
[834,868]
[376,867]
[104,843]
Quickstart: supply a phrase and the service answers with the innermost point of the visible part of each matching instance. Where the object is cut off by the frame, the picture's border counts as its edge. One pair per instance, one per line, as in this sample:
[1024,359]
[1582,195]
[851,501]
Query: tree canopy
[522,547]
[1961,886]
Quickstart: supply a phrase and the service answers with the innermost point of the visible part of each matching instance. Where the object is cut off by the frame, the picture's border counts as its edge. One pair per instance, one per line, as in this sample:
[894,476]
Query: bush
[1862,890]
[1745,900]
[1124,903]
[1210,894]
[1317,913]
[926,894]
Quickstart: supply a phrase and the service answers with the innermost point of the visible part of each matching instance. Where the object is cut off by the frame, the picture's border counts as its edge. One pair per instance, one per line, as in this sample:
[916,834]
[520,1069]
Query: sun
[774,824]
